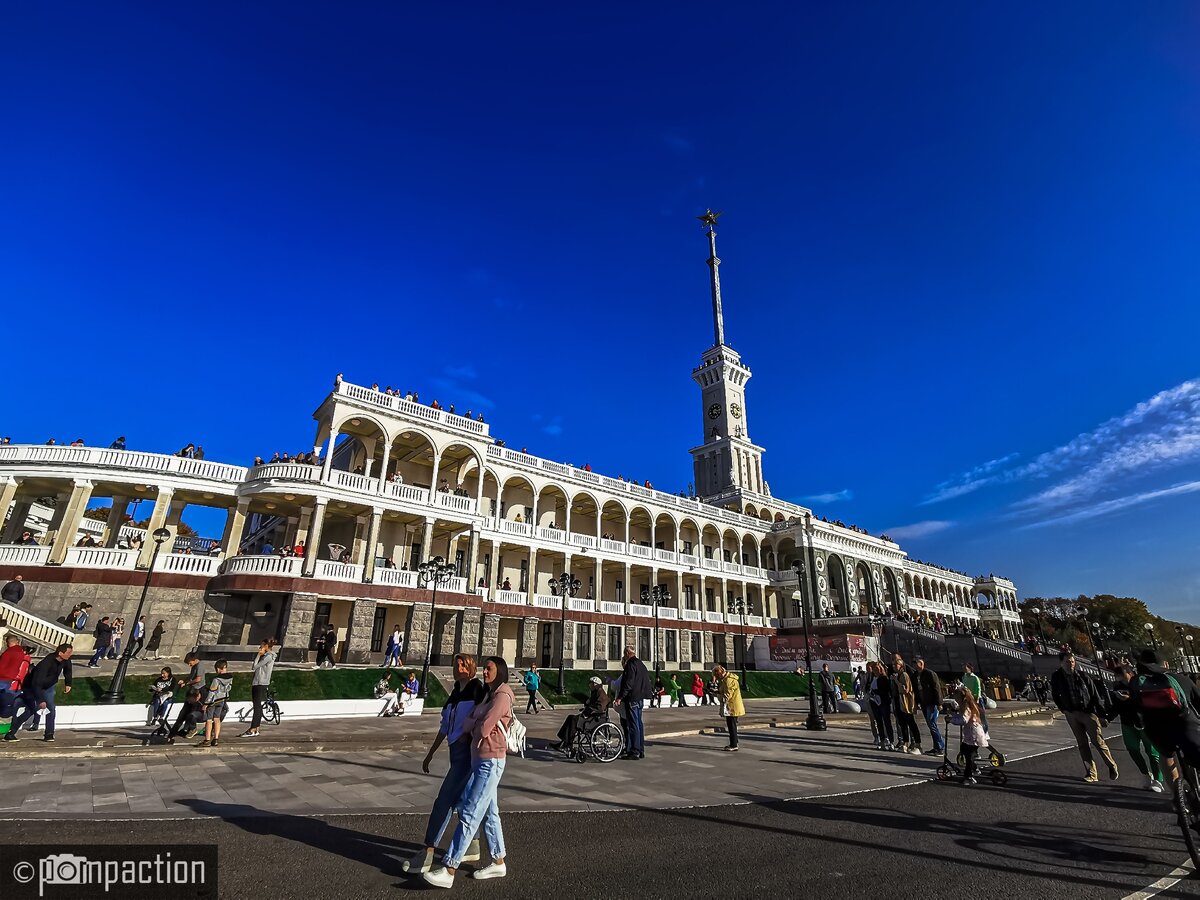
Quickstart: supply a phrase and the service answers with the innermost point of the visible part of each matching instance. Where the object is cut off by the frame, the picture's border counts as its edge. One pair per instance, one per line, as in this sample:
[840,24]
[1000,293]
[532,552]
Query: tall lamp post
[116,690]
[1150,636]
[1082,612]
[743,608]
[565,586]
[656,596]
[432,572]
[1037,614]
[815,720]
[1189,655]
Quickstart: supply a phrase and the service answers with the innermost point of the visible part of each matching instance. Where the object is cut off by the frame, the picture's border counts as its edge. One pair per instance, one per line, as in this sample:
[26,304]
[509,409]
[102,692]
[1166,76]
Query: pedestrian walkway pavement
[683,767]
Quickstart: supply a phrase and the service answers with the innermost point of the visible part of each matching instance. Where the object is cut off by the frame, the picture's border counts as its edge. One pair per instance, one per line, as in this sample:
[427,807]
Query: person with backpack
[1170,706]
[215,703]
[488,724]
[1077,696]
[1141,749]
[467,694]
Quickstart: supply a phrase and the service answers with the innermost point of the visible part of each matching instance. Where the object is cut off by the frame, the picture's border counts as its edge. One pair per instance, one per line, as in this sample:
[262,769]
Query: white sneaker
[494,870]
[419,863]
[472,854]
[914,750]
[902,747]
[439,877]
[1155,786]
[887,745]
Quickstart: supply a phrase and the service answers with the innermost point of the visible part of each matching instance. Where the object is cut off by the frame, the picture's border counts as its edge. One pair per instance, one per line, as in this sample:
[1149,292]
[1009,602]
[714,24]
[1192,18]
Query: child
[160,700]
[974,737]
[215,703]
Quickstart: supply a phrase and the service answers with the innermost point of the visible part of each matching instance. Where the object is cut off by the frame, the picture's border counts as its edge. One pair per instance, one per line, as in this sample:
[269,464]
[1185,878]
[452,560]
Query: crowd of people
[414,397]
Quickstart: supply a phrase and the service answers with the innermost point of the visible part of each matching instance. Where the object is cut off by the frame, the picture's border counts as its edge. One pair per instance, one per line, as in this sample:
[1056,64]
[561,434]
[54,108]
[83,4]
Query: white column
[433,482]
[68,517]
[383,465]
[312,549]
[328,463]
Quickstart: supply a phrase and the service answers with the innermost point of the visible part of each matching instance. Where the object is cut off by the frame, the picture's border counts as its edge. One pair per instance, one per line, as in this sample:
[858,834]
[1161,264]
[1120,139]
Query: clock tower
[727,461]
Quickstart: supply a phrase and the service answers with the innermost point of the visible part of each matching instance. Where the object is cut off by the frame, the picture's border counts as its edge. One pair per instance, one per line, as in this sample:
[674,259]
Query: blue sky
[958,248]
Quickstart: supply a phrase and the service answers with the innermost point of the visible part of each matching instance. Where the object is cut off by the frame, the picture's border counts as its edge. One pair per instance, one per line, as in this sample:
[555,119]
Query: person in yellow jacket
[730,692]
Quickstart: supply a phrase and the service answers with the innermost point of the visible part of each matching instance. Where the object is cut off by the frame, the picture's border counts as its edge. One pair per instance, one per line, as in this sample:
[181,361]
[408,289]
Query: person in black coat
[13,592]
[104,635]
[38,690]
[594,711]
[635,688]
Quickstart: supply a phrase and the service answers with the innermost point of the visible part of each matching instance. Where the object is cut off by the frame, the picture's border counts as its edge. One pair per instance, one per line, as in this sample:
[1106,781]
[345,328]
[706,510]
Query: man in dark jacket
[103,633]
[828,690]
[929,695]
[38,692]
[635,688]
[14,591]
[1076,695]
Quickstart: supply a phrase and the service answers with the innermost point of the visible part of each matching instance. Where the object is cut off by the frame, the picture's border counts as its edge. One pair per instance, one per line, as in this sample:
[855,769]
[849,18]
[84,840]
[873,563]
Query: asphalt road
[1045,834]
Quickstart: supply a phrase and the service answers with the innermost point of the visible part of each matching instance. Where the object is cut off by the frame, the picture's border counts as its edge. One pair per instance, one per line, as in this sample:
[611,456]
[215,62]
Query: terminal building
[396,483]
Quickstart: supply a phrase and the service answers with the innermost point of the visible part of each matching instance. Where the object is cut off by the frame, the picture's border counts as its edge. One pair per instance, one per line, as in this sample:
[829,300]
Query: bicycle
[1187,805]
[270,708]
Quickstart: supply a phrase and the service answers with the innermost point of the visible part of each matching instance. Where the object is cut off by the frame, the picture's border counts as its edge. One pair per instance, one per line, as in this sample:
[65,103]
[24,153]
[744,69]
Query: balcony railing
[546,601]
[406,492]
[188,564]
[714,618]
[396,577]
[639,609]
[612,608]
[130,460]
[353,482]
[407,407]
[581,605]
[337,571]
[690,615]
[517,598]
[283,566]
[454,501]
[24,554]
[100,558]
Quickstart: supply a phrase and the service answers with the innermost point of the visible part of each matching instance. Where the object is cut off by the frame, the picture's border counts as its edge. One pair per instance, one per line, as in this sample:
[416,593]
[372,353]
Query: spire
[710,221]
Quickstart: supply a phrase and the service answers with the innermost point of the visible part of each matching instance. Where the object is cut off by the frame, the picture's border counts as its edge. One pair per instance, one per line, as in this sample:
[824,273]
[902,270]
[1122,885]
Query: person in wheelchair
[595,711]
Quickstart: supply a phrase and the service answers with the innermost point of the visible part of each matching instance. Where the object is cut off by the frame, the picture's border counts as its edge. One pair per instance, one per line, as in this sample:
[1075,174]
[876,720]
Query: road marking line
[1167,881]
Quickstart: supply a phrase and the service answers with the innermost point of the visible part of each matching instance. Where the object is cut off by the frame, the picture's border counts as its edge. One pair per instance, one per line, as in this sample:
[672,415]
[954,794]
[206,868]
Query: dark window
[414,556]
[487,568]
[377,629]
[687,547]
[644,644]
[583,641]
[460,562]
[710,599]
[620,591]
[320,620]
[697,647]
[672,646]
[616,640]
[689,597]
[726,556]
[707,552]
[547,643]
[524,576]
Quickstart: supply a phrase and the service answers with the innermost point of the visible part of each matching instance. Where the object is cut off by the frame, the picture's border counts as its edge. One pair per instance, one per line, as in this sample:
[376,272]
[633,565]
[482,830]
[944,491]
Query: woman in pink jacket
[478,806]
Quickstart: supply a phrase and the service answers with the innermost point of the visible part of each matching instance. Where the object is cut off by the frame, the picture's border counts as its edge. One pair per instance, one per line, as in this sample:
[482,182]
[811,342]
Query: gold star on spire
[710,218]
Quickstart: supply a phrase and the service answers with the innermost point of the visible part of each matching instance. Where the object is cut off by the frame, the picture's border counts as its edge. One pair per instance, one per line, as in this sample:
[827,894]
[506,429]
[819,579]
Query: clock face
[735,410]
[714,411]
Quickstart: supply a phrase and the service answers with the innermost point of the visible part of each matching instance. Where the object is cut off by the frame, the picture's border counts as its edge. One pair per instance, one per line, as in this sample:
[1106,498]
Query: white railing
[406,492]
[639,550]
[754,572]
[353,482]
[687,559]
[338,571]
[100,558]
[579,605]
[41,632]
[791,622]
[612,546]
[285,472]
[121,459]
[456,585]
[665,555]
[710,564]
[188,564]
[612,608]
[667,612]
[517,598]
[455,501]
[510,527]
[638,609]
[731,568]
[24,554]
[755,621]
[550,534]
[396,577]
[583,540]
[690,615]
[284,566]
[407,407]
[716,618]
[546,601]
[733,619]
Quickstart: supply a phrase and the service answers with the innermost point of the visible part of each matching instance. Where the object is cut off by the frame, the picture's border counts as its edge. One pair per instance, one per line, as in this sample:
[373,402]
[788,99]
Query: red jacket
[14,666]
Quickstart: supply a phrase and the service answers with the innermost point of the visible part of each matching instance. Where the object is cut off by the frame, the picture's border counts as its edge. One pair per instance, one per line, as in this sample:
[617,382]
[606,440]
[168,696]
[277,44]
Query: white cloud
[846,494]
[969,481]
[466,372]
[1117,504]
[918,529]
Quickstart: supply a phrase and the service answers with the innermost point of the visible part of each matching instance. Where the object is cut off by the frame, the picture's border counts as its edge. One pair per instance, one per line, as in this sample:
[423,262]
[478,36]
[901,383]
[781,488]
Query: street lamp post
[1082,612]
[116,690]
[432,572]
[1149,629]
[656,596]
[815,720]
[565,586]
[1190,655]
[1037,613]
[743,608]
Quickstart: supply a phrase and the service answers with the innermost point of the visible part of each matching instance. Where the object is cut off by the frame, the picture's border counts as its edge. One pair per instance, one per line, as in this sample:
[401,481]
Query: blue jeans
[31,699]
[477,807]
[931,719]
[452,790]
[98,655]
[635,733]
[393,657]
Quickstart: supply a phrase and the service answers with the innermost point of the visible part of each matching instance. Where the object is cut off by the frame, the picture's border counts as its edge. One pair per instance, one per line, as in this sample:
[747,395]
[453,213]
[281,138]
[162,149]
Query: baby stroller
[957,768]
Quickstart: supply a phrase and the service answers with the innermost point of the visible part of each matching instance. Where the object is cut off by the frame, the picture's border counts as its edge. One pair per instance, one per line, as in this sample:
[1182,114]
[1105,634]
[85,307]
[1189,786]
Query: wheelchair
[597,738]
